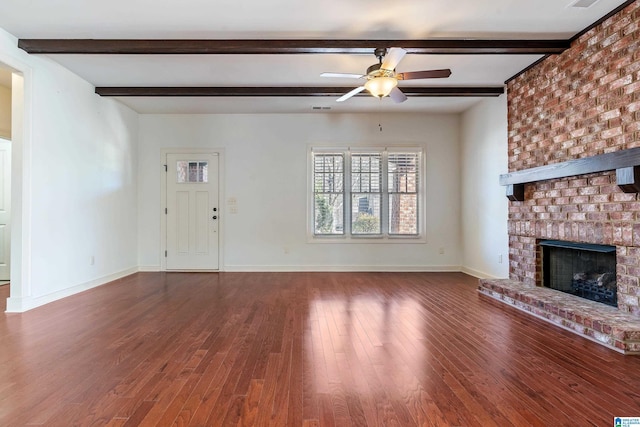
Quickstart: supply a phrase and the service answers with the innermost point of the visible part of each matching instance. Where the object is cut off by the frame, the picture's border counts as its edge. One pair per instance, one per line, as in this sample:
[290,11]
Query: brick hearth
[601,323]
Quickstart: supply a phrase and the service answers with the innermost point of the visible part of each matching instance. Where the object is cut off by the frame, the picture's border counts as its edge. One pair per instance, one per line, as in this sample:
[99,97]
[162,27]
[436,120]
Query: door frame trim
[8,142]
[20,292]
[163,201]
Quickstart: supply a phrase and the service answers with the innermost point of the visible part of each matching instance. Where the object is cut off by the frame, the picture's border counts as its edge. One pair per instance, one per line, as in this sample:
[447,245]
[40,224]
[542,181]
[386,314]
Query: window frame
[315,193]
[350,193]
[385,236]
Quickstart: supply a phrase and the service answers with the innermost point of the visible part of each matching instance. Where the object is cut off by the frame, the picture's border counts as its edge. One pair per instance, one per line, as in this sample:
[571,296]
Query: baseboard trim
[149,268]
[22,304]
[345,268]
[478,274]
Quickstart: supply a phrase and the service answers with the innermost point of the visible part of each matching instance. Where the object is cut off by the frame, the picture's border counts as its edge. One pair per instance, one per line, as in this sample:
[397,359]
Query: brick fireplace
[582,103]
[589,209]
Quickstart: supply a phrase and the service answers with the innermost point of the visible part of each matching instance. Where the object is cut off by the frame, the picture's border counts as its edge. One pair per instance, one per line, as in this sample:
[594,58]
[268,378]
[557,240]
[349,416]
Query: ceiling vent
[583,4]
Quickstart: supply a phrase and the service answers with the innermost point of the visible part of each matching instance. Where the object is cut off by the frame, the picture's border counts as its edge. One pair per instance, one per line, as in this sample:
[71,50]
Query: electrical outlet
[441,251]
[500,259]
[92,260]
[233,209]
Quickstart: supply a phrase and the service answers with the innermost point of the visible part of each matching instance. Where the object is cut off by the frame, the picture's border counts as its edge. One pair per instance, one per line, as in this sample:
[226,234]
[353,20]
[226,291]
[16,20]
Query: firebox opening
[582,269]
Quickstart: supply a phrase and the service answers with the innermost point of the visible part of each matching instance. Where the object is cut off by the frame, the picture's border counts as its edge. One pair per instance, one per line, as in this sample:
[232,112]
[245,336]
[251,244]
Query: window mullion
[384,190]
[347,193]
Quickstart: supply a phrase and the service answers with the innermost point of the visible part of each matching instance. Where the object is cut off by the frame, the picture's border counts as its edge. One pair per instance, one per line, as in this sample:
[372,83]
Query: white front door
[5,209]
[192,211]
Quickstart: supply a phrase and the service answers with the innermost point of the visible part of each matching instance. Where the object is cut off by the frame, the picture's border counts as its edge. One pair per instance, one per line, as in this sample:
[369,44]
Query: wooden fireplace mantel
[626,163]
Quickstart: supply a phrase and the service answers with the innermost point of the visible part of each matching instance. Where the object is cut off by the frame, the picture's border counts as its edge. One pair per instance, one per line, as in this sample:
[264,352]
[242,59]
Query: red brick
[624,197]
[597,216]
[621,216]
[612,207]
[579,199]
[600,180]
[600,198]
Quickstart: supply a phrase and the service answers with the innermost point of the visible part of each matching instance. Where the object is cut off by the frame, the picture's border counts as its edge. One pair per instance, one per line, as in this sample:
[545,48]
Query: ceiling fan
[382,79]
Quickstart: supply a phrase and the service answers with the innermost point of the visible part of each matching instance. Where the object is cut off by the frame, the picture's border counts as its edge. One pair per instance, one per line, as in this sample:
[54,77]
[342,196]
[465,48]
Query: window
[366,192]
[328,188]
[403,171]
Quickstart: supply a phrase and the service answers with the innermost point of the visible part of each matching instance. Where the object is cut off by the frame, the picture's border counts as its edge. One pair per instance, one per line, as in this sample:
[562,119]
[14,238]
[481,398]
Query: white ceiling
[292,19]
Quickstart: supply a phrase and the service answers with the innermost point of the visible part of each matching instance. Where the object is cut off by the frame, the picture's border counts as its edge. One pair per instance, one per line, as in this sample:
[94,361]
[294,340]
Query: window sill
[376,240]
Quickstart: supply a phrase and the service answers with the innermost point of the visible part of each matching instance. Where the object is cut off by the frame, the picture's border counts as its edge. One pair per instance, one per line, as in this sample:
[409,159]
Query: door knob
[215,217]
[215,209]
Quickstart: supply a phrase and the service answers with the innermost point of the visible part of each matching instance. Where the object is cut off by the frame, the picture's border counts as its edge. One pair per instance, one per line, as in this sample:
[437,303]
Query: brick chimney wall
[581,103]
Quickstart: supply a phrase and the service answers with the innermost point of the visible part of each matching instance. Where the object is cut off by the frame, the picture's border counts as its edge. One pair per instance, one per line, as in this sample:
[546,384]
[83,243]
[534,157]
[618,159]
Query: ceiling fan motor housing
[376,71]
[373,68]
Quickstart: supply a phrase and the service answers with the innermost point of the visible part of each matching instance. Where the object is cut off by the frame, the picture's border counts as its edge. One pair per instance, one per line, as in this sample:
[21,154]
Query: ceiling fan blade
[342,75]
[428,74]
[393,58]
[397,96]
[350,94]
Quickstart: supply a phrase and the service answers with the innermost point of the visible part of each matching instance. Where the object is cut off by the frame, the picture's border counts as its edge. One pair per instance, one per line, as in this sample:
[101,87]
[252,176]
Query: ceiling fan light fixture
[381,86]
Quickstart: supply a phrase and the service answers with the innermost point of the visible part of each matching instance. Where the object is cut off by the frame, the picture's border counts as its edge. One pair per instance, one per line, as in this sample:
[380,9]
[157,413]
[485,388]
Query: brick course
[578,104]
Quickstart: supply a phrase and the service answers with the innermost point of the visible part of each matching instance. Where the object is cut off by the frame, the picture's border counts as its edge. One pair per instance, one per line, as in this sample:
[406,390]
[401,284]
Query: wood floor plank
[296,386]
[250,408]
[210,375]
[265,405]
[302,349]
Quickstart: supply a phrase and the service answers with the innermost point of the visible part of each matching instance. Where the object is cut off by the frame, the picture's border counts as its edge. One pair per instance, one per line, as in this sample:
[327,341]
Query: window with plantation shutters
[328,192]
[366,193]
[403,180]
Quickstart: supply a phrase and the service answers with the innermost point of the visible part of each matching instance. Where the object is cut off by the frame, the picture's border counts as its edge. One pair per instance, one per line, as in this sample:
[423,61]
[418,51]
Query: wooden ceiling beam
[290,91]
[285,46]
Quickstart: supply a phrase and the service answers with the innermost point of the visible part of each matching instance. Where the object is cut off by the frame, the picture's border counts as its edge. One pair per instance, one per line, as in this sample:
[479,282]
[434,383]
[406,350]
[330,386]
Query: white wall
[266,171]
[78,186]
[5,111]
[484,204]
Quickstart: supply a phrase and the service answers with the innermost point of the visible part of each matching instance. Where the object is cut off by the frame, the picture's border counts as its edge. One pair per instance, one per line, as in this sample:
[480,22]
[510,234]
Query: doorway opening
[14,79]
[6,83]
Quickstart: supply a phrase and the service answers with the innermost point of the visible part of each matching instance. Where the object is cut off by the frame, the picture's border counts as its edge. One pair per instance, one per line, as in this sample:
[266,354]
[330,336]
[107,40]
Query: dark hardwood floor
[302,349]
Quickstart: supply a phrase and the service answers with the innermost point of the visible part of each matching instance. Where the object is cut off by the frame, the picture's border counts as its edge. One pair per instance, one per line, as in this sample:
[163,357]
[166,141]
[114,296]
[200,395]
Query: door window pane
[192,171]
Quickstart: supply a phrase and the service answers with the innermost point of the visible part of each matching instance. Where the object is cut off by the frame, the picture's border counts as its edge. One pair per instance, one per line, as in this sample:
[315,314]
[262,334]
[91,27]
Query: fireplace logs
[601,287]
